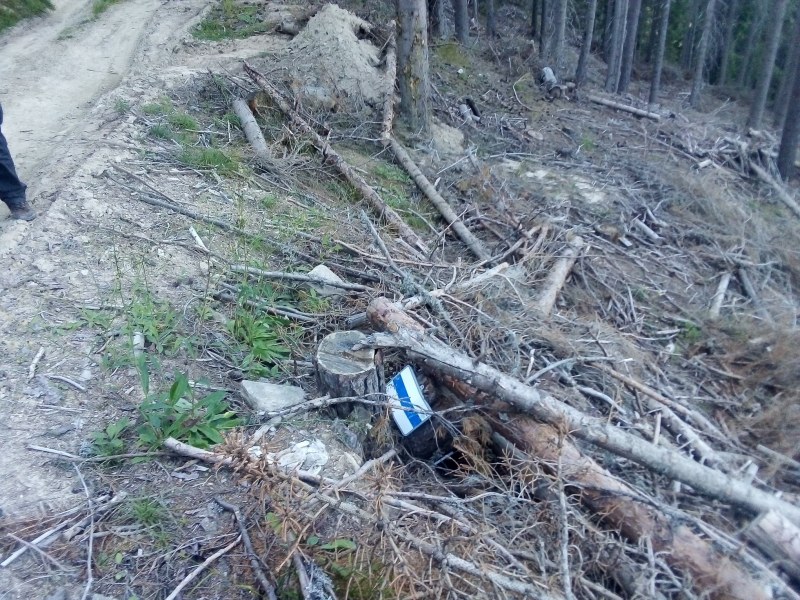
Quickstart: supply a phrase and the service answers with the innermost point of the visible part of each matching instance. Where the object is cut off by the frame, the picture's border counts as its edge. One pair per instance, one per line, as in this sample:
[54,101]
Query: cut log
[343,372]
[547,409]
[779,539]
[333,157]
[252,131]
[719,296]
[624,107]
[558,276]
[449,215]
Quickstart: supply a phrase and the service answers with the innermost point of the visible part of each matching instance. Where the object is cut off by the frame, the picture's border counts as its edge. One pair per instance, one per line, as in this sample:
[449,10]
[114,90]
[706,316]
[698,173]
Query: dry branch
[779,539]
[252,131]
[449,215]
[719,296]
[624,107]
[616,503]
[333,157]
[558,275]
[780,190]
[442,358]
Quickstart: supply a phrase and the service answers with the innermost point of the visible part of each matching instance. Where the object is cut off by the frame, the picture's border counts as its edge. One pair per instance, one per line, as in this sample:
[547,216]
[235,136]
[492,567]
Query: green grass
[101,6]
[180,120]
[198,157]
[230,20]
[13,11]
[452,53]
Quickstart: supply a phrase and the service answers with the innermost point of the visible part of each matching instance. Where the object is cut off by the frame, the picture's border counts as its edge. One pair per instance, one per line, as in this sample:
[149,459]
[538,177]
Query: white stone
[324,273]
[264,397]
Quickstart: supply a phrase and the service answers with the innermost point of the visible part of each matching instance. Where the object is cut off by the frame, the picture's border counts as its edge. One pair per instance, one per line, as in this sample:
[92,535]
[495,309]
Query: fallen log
[780,190]
[625,108]
[616,503]
[335,159]
[779,540]
[449,215]
[547,409]
[252,131]
[558,276]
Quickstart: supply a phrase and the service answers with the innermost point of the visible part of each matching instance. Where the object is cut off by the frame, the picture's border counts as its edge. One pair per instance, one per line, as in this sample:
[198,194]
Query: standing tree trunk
[652,36]
[629,49]
[438,23]
[765,74]
[727,45]
[663,29]
[617,41]
[461,16]
[412,63]
[586,48]
[491,19]
[690,35]
[535,19]
[787,152]
[756,22]
[782,98]
[702,51]
[559,34]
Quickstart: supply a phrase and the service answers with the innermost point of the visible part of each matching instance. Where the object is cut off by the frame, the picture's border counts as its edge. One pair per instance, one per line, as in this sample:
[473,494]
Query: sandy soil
[59,78]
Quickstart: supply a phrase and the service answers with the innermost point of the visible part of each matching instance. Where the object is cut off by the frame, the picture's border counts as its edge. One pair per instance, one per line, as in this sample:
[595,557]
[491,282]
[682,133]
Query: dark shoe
[23,212]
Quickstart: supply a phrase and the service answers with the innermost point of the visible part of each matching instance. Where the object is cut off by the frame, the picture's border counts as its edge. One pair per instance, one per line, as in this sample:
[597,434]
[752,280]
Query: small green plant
[208,158]
[269,201]
[122,106]
[231,20]
[13,11]
[109,442]
[180,415]
[691,333]
[260,335]
[149,512]
[180,120]
[155,319]
[161,131]
[100,6]
[162,107]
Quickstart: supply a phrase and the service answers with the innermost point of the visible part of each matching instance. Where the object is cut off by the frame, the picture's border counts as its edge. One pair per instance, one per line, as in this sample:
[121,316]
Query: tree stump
[343,372]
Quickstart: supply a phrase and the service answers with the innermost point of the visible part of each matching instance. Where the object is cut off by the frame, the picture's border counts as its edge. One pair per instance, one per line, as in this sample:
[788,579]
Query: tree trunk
[475,10]
[690,35]
[344,373]
[617,41]
[652,36]
[702,51]
[629,49]
[491,19]
[412,63]
[782,98]
[768,63]
[461,16]
[586,48]
[534,19]
[663,29]
[546,35]
[559,34]
[436,17]
[756,23]
[727,45]
[791,126]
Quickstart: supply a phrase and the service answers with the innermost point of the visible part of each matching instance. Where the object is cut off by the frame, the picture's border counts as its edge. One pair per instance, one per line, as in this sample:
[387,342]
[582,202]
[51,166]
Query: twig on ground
[90,549]
[202,567]
[66,380]
[36,359]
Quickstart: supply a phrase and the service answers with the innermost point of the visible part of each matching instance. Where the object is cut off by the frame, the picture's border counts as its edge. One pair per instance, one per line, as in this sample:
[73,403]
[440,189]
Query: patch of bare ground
[173,265]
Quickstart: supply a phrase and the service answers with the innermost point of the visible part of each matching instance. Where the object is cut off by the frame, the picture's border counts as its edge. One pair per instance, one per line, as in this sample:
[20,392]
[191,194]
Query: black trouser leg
[12,190]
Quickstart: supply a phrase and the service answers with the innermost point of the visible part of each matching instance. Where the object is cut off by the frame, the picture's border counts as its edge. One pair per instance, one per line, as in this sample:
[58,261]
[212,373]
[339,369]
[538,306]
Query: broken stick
[252,131]
[625,108]
[449,215]
[558,276]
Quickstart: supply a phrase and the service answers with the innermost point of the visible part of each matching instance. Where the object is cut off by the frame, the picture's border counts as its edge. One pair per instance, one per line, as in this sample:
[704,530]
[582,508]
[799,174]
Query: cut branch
[558,276]
[449,215]
[252,131]
[333,157]
[625,108]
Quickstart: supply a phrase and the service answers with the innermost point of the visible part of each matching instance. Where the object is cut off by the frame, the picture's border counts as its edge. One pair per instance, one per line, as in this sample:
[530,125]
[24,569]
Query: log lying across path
[546,438]
[333,157]
[625,108]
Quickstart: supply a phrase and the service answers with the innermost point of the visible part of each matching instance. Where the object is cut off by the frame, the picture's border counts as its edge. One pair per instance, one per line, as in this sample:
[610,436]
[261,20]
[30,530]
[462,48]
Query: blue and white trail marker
[411,409]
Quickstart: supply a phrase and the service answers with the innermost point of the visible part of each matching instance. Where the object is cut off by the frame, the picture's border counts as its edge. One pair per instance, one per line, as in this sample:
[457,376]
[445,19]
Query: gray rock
[324,273]
[266,397]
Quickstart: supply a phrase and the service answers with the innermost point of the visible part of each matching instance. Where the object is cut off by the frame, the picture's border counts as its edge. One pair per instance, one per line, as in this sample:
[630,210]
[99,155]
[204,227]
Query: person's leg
[12,190]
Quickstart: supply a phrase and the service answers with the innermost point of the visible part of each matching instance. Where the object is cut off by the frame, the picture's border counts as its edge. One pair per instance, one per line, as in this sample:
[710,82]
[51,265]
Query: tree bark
[663,29]
[535,19]
[559,35]
[617,42]
[436,17]
[702,51]
[412,62]
[787,153]
[765,73]
[461,16]
[491,19]
[344,373]
[756,23]
[629,49]
[690,35]
[727,45]
[586,48]
[782,98]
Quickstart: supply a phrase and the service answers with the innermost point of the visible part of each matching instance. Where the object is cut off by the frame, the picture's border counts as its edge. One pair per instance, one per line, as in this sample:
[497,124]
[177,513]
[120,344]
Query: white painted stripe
[406,395]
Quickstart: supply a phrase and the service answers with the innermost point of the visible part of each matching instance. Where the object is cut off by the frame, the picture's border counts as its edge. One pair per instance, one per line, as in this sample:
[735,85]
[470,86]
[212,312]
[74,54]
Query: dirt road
[60,76]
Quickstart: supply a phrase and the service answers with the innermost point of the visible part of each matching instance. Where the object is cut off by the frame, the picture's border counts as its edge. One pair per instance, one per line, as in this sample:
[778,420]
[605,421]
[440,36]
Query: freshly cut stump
[343,372]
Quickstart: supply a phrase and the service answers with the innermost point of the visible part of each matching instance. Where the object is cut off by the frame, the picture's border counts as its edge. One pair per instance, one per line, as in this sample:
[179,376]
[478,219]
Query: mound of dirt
[331,66]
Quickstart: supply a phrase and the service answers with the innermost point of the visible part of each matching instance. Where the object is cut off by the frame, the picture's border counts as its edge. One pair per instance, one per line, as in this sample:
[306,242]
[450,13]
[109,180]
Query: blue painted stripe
[405,402]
